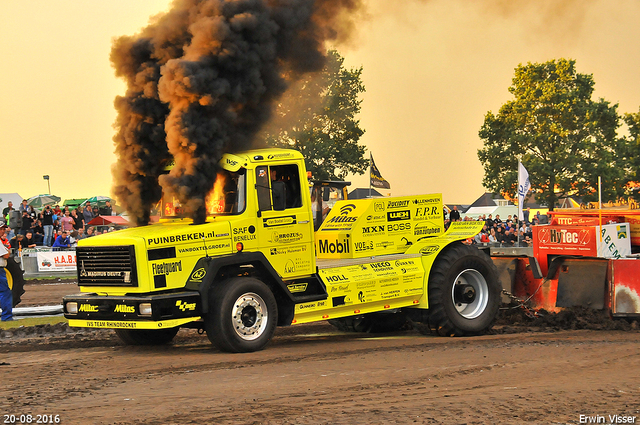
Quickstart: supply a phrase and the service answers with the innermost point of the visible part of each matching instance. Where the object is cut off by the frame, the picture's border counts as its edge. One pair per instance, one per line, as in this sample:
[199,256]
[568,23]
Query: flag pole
[370,171]
[600,205]
[519,203]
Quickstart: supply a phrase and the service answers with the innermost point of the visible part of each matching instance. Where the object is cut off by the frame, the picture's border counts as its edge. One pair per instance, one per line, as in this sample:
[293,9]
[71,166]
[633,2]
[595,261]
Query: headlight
[145,309]
[72,308]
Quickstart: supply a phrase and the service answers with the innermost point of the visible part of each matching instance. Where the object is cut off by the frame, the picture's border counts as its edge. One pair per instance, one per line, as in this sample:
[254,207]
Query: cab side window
[278,187]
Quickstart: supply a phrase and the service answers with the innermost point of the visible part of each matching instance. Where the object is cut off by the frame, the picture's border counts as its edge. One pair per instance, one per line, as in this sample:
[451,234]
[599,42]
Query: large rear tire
[242,317]
[147,336]
[15,278]
[371,323]
[464,292]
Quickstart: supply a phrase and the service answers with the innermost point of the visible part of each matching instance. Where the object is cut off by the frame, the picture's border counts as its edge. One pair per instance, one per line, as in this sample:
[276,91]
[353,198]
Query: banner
[376,178]
[523,188]
[57,261]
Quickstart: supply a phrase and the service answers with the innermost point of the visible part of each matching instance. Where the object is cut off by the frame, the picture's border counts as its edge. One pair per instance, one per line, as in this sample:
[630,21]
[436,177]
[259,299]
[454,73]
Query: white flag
[523,188]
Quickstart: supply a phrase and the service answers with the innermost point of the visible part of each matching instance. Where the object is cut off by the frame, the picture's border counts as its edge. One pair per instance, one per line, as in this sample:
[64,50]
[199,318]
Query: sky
[432,70]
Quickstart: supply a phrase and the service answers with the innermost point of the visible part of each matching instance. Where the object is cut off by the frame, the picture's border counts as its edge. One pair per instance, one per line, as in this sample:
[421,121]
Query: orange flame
[215,200]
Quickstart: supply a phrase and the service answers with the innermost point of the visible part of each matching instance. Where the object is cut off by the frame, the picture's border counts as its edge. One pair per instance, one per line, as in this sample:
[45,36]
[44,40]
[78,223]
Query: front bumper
[124,312]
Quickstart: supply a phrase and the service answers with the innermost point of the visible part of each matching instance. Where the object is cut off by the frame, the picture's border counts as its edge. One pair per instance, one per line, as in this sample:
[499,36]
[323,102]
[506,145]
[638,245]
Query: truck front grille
[106,266]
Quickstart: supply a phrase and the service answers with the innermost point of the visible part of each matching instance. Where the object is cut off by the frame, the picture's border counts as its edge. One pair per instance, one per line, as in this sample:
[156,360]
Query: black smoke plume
[203,79]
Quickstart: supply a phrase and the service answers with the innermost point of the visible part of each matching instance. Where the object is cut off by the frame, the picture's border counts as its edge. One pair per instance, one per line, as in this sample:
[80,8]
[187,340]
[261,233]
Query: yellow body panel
[130,324]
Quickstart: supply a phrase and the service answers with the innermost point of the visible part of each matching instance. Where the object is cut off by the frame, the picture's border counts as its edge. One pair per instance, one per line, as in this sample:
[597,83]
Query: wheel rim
[249,316]
[474,286]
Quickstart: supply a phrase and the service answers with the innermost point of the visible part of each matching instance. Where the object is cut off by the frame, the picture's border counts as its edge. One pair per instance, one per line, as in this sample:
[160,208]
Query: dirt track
[316,374]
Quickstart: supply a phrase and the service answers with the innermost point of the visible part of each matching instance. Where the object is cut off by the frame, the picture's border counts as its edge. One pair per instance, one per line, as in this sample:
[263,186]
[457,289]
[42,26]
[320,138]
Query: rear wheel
[464,292]
[242,317]
[146,336]
[15,278]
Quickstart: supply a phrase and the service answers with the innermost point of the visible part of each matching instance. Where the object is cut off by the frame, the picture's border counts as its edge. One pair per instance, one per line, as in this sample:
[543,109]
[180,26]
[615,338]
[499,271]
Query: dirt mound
[574,318]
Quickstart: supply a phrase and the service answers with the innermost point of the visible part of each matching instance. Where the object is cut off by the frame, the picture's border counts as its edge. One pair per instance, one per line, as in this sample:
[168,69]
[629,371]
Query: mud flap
[582,282]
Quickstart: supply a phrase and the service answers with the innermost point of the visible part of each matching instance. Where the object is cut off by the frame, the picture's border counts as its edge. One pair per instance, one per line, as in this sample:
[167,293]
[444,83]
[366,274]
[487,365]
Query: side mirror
[326,193]
[279,192]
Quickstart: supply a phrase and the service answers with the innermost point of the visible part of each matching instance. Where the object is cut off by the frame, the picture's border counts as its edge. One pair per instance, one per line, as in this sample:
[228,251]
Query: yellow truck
[256,263]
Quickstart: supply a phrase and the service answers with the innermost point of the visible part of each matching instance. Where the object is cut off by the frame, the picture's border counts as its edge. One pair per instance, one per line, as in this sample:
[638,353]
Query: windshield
[226,198]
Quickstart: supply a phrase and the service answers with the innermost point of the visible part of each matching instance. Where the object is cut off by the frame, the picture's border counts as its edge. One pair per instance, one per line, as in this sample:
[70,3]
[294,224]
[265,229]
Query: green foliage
[564,139]
[317,117]
[633,148]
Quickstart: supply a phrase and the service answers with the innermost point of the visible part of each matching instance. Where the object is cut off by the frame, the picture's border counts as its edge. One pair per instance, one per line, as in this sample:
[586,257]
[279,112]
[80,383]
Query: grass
[32,321]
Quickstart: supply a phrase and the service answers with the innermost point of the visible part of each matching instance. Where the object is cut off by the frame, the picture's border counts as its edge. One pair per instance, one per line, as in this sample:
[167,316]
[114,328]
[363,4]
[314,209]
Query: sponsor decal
[381,266]
[363,246]
[289,267]
[232,162]
[368,284]
[243,234]
[167,268]
[401,263]
[340,288]
[202,248]
[347,209]
[184,306]
[622,232]
[288,250]
[376,218]
[426,201]
[370,230]
[160,240]
[104,324]
[297,287]
[384,245]
[423,213]
[306,306]
[426,229]
[378,206]
[336,278]
[397,204]
[398,227]
[333,247]
[123,308]
[429,250]
[198,275]
[277,237]
[390,294]
[88,308]
[279,155]
[279,221]
[342,300]
[101,274]
[361,297]
[399,215]
[565,236]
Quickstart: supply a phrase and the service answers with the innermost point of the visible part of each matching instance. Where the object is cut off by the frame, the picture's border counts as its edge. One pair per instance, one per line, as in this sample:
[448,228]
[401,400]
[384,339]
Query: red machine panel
[565,240]
[625,287]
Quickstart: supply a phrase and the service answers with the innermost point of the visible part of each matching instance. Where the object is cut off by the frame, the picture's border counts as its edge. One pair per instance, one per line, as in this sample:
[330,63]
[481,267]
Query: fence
[45,261]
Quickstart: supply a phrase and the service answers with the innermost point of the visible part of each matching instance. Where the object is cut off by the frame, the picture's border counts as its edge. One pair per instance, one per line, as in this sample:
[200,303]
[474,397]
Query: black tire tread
[439,322]
[17,276]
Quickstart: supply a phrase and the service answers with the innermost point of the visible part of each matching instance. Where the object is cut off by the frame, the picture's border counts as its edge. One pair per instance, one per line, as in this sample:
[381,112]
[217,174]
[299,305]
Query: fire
[215,200]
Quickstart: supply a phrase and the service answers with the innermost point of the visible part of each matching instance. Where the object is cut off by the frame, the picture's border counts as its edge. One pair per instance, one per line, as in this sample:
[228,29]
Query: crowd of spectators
[497,232]
[50,226]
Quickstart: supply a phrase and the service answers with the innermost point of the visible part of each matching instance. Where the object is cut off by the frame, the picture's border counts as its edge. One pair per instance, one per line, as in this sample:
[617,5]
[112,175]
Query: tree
[317,118]
[633,152]
[563,138]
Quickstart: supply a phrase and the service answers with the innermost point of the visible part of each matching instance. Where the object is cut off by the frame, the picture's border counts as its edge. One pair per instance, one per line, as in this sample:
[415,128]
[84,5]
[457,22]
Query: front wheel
[242,317]
[464,292]
[146,336]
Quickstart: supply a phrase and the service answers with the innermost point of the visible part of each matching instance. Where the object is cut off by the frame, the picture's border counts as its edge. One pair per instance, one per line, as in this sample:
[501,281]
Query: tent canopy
[107,220]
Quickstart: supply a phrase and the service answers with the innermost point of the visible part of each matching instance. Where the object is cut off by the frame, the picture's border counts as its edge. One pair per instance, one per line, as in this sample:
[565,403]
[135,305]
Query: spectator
[81,234]
[87,214]
[484,237]
[89,231]
[95,211]
[38,232]
[6,297]
[525,214]
[66,222]
[47,224]
[57,211]
[454,215]
[73,239]
[106,210]
[27,223]
[512,237]
[489,222]
[29,240]
[33,213]
[3,236]
[62,241]
[77,221]
[17,244]
[23,206]
[6,211]
[492,236]
[497,220]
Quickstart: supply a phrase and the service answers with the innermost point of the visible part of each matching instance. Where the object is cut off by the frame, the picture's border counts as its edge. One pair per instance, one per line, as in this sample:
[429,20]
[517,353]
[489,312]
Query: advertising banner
[615,241]
[57,261]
